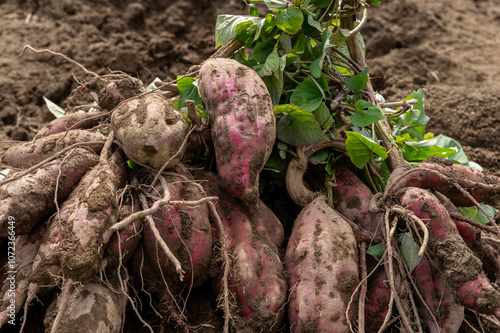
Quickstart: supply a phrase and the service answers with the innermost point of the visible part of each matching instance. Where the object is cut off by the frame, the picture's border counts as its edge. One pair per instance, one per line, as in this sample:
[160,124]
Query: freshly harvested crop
[186,230]
[92,307]
[151,130]
[88,223]
[462,270]
[29,199]
[79,120]
[27,154]
[242,121]
[322,262]
[440,175]
[256,272]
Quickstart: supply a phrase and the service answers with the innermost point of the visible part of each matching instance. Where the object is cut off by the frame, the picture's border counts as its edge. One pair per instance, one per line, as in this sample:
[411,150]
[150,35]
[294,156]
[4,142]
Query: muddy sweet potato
[94,209]
[461,269]
[186,230]
[92,307]
[351,197]
[27,154]
[322,262]
[256,272]
[242,121]
[150,130]
[29,199]
[447,312]
[15,287]
[79,120]
[426,175]
[127,240]
[118,90]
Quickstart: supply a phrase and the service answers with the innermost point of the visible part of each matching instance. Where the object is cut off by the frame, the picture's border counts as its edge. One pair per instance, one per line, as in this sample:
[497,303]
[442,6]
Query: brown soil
[450,48]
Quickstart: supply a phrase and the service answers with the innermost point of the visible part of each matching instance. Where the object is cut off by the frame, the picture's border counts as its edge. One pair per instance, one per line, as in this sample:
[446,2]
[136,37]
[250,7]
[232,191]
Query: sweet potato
[378,298]
[468,232]
[128,240]
[242,121]
[351,197]
[322,262]
[466,177]
[118,90]
[256,272]
[27,154]
[461,269]
[92,307]
[440,299]
[14,289]
[150,129]
[186,230]
[29,199]
[87,227]
[79,120]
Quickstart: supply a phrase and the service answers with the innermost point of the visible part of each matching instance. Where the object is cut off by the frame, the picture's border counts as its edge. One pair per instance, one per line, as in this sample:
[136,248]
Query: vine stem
[383,129]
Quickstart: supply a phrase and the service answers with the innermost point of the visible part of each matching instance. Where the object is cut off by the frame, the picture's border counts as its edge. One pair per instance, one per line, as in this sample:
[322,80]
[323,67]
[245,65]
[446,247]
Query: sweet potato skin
[464,176]
[186,230]
[242,121]
[87,227]
[461,269]
[256,272]
[150,129]
[351,197]
[31,198]
[127,240]
[92,307]
[322,262]
[27,154]
[79,120]
[440,299]
[25,248]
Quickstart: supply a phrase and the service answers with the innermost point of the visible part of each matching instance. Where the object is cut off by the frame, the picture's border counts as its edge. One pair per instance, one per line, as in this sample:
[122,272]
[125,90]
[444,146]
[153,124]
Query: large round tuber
[150,129]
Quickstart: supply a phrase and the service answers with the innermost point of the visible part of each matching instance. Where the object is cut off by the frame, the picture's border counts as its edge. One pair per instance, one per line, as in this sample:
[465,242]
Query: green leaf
[320,3]
[275,162]
[307,95]
[367,114]
[188,90]
[339,36]
[225,27]
[253,10]
[319,157]
[375,2]
[276,4]
[417,113]
[290,20]
[361,149]
[264,26]
[357,82]
[421,150]
[132,165]
[477,215]
[55,109]
[324,117]
[262,51]
[409,251]
[310,26]
[300,43]
[330,164]
[297,127]
[272,74]
[376,251]
[459,155]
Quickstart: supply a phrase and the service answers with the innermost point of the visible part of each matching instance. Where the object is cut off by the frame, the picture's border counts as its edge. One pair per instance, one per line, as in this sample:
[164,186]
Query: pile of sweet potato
[116,212]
